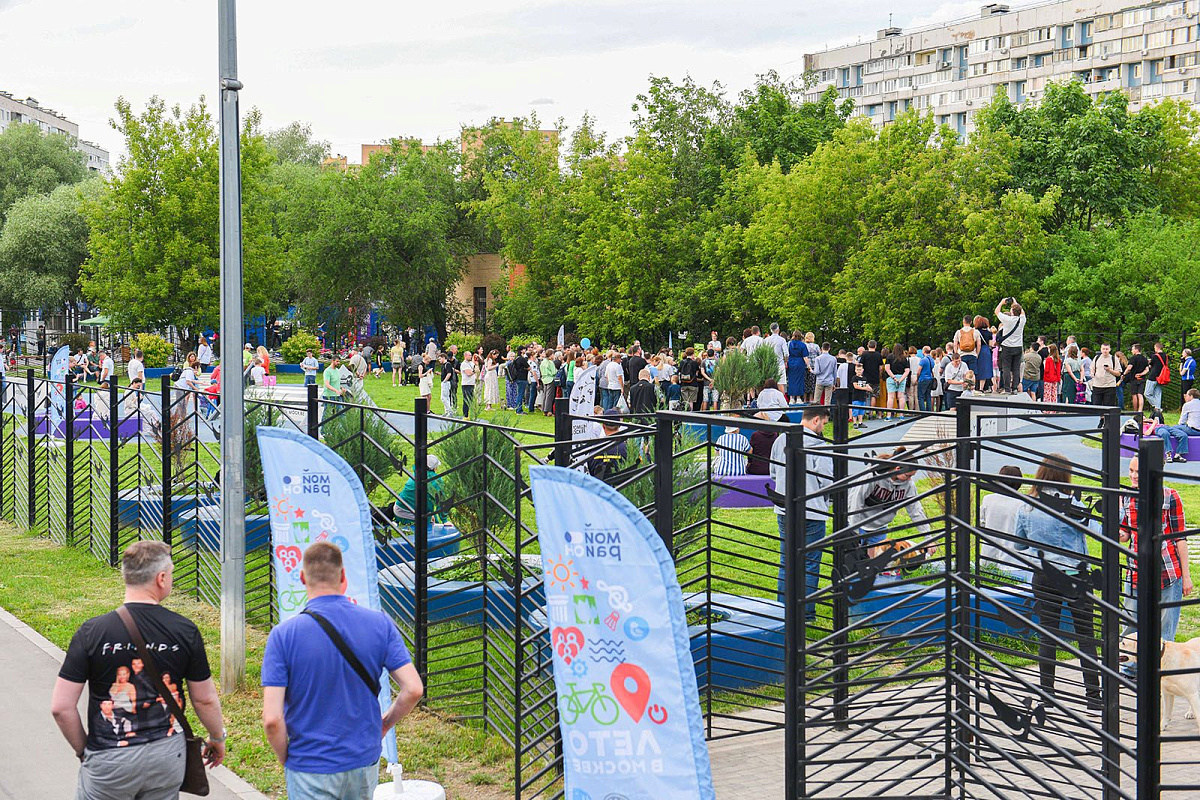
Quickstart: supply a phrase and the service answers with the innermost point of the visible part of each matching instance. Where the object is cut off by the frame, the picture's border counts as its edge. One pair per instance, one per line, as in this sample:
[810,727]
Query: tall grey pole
[233,490]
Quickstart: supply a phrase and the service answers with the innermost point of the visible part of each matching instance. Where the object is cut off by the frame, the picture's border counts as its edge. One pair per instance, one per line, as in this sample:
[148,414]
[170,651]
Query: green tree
[391,235]
[33,163]
[154,251]
[775,122]
[43,244]
[294,144]
[1095,151]
[1140,277]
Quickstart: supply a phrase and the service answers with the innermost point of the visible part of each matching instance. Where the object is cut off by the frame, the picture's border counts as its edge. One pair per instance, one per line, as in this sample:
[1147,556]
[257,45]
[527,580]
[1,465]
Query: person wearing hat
[247,355]
[404,508]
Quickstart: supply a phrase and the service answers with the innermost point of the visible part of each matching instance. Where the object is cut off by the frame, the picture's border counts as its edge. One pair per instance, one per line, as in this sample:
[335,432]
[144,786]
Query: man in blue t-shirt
[320,716]
[925,378]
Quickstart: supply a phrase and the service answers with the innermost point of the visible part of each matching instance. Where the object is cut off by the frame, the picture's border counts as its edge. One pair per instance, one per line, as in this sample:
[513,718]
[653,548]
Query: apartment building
[1147,50]
[13,110]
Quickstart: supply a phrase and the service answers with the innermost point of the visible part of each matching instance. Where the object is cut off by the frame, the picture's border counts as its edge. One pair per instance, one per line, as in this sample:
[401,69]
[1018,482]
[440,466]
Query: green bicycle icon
[576,703]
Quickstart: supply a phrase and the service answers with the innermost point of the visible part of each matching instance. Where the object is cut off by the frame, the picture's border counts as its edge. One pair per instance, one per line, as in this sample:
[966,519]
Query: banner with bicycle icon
[627,700]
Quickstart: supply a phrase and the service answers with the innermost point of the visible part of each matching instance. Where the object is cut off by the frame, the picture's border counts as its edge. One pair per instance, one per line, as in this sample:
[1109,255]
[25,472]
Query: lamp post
[233,490]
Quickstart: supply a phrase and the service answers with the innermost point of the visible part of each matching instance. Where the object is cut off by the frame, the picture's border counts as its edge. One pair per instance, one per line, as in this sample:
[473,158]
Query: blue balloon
[585,343]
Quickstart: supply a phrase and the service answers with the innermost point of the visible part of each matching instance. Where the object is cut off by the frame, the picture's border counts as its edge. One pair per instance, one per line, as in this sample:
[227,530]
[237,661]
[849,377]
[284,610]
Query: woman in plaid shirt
[1176,578]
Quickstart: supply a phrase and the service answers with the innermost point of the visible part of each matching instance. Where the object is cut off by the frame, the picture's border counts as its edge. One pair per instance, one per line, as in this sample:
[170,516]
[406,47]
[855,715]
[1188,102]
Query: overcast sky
[366,70]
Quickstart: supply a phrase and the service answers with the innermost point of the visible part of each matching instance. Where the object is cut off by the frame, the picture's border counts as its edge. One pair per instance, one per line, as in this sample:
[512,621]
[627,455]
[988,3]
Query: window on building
[480,303]
[1157,39]
[1039,60]
[1103,22]
[1131,44]
[1020,63]
[1134,16]
[1068,35]
[1040,35]
[925,58]
[978,46]
[1085,29]
[1019,91]
[1019,39]
[1085,51]
[1183,35]
[1107,48]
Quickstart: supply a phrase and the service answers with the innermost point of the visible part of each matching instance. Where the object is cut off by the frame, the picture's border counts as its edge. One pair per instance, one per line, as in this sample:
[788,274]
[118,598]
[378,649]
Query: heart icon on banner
[632,700]
[567,642]
[289,556]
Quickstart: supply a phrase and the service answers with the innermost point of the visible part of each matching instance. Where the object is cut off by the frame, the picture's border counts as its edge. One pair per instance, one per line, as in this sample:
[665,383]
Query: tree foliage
[33,163]
[294,143]
[390,235]
[43,244]
[154,247]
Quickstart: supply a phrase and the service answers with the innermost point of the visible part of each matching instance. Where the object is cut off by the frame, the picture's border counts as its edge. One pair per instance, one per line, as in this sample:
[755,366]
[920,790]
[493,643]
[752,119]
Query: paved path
[895,750]
[38,762]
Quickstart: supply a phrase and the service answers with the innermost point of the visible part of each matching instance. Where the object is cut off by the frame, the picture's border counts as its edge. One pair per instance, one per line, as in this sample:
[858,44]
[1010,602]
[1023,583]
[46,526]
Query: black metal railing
[873,654]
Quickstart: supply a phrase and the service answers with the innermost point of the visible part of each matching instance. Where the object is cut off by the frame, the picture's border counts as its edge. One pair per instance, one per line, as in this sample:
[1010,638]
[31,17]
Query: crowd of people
[986,355]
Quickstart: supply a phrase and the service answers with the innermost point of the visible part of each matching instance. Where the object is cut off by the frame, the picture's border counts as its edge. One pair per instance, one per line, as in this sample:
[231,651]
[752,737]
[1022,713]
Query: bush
[157,350]
[74,341]
[734,377]
[764,365]
[369,445]
[494,341]
[518,339]
[465,341]
[298,344]
[463,445]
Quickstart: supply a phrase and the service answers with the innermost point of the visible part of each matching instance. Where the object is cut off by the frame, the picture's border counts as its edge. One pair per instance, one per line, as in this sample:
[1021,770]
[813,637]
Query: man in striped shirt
[730,453]
[1176,577]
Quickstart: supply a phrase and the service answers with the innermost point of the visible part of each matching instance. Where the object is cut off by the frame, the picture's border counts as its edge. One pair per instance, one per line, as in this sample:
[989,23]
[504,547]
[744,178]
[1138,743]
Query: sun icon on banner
[561,572]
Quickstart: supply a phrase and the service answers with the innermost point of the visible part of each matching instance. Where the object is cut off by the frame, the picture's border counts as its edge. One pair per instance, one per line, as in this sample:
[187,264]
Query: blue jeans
[531,395]
[971,360]
[1154,394]
[608,398]
[950,398]
[814,531]
[924,400]
[522,388]
[357,784]
[309,380]
[1033,387]
[1177,432]
[1169,617]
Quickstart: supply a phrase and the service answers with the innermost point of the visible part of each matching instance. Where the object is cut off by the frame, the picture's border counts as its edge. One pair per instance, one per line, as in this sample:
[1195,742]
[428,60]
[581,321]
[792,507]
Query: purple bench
[86,427]
[743,491]
[1129,446]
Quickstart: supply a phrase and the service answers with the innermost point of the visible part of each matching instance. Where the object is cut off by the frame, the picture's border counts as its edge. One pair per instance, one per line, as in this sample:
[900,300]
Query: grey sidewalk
[40,764]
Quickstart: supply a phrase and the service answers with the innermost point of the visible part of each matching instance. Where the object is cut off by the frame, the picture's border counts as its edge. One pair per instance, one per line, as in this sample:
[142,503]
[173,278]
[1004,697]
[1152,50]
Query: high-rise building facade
[13,111]
[1147,50]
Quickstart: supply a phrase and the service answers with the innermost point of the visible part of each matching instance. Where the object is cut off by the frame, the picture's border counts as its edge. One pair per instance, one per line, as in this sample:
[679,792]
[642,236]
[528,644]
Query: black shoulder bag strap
[151,668]
[195,781]
[348,654]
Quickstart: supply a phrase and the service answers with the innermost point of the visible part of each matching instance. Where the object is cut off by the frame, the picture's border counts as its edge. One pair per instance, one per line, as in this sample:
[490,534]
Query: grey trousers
[151,771]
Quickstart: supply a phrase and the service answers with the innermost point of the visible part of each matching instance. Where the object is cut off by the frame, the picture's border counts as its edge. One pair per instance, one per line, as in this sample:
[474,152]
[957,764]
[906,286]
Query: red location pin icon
[633,701]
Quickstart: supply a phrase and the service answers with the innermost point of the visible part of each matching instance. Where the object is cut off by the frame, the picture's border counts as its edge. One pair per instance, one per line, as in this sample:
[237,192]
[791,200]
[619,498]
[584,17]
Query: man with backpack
[1158,377]
[689,379]
[968,341]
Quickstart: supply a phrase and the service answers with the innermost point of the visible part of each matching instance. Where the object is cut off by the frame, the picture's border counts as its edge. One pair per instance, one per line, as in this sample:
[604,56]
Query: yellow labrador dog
[1175,656]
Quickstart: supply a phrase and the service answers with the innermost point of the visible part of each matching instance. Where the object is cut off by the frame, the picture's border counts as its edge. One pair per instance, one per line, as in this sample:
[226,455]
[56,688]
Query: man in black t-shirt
[133,746]
[689,379]
[1135,376]
[872,364]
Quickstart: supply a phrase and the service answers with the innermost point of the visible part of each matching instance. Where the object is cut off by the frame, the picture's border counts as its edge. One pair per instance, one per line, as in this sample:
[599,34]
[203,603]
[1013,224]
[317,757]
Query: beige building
[474,293]
[14,111]
[1147,50]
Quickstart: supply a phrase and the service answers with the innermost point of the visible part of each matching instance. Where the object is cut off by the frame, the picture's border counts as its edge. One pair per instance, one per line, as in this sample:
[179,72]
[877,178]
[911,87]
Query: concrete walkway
[38,762]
